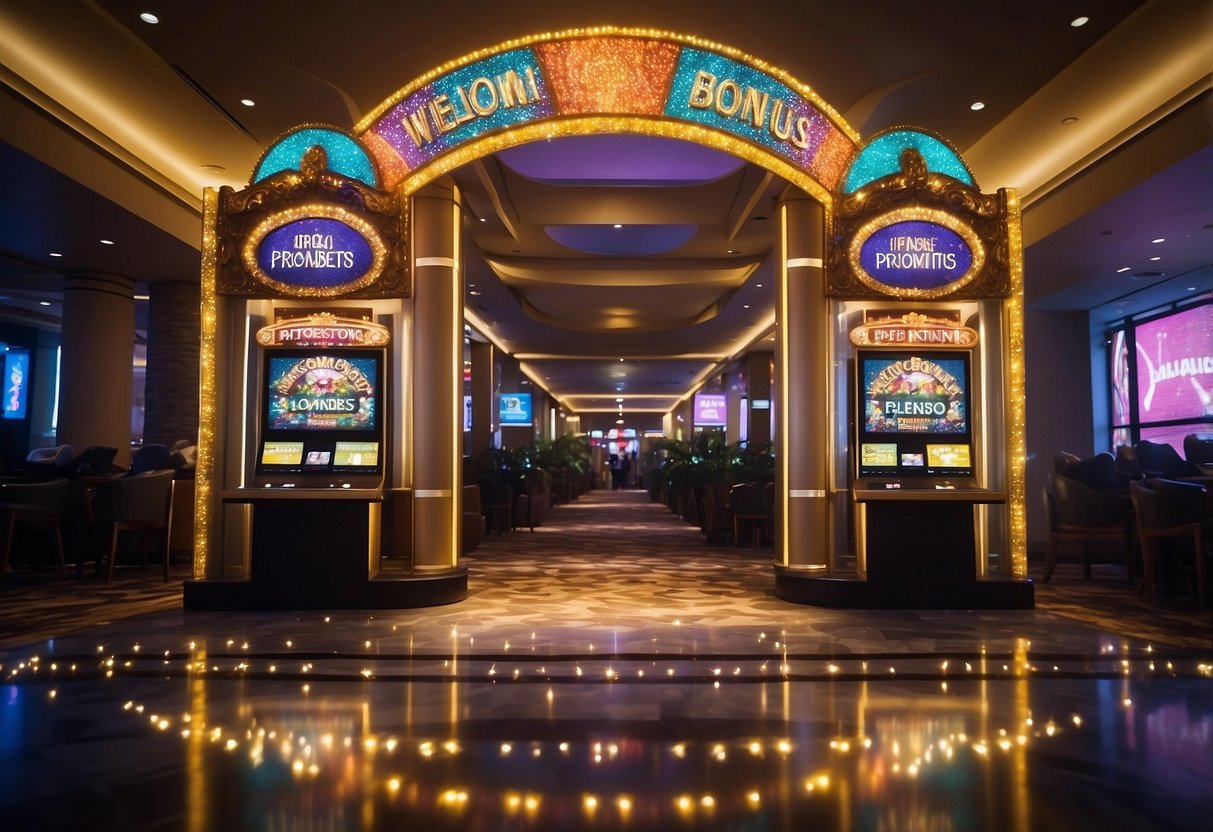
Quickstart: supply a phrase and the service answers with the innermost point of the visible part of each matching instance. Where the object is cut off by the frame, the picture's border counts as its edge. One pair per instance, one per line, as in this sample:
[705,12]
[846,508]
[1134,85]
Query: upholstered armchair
[1080,514]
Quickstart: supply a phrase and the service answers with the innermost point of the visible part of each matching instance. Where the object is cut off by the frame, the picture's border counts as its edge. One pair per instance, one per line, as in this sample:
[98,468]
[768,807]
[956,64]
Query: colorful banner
[610,75]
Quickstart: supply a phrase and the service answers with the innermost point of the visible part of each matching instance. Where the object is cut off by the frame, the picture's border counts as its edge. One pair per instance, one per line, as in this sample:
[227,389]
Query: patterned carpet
[610,558]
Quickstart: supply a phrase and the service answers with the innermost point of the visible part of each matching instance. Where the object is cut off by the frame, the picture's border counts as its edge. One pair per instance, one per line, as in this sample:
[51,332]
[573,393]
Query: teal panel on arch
[882,156]
[346,156]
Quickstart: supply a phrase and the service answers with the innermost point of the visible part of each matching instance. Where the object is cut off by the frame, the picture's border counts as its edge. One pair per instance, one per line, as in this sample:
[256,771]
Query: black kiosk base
[921,554]
[313,554]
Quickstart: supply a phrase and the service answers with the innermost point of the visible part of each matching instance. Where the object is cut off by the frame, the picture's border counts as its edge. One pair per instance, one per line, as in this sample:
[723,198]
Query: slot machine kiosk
[924,284]
[304,475]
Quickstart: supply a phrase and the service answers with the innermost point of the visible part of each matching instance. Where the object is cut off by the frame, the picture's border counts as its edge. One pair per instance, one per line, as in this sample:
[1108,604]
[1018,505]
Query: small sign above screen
[514,409]
[711,410]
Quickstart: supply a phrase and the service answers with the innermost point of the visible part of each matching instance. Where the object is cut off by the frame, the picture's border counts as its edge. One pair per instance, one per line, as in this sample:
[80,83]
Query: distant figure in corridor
[620,466]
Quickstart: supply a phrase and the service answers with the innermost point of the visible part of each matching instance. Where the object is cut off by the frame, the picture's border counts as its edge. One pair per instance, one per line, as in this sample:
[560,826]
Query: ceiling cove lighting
[148,17]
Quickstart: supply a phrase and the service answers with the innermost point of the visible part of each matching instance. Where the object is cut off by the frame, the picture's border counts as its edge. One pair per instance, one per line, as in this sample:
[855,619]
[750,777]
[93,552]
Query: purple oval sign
[316,252]
[915,255]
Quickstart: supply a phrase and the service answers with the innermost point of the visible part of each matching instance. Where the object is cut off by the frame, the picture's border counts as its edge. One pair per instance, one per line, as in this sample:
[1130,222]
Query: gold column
[437,360]
[804,380]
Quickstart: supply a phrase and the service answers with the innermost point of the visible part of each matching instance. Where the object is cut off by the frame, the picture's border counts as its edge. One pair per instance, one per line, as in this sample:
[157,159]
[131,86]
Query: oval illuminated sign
[315,252]
[905,255]
[327,253]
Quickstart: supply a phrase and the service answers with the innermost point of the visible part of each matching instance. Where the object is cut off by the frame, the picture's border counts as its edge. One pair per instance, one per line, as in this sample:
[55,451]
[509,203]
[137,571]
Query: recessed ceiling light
[1191,288]
[56,254]
[1122,271]
[1069,119]
[143,297]
[474,293]
[1079,21]
[621,361]
[1159,240]
[248,102]
[977,105]
[619,421]
[619,400]
[618,225]
[484,219]
[44,303]
[745,306]
[731,251]
[148,17]
[107,242]
[1152,259]
[757,285]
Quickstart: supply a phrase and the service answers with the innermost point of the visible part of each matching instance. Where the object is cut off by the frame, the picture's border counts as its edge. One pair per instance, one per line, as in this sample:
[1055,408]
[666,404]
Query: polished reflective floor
[612,671]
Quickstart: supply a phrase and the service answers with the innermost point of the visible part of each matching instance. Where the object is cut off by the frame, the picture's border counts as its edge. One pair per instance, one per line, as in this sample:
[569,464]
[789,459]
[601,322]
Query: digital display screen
[948,456]
[322,391]
[514,409]
[711,410]
[318,458]
[1175,366]
[914,395]
[912,413]
[878,454]
[281,453]
[356,455]
[16,383]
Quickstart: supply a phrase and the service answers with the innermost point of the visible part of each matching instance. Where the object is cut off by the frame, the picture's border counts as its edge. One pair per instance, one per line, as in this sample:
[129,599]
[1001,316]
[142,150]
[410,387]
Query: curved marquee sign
[623,76]
[916,253]
[323,251]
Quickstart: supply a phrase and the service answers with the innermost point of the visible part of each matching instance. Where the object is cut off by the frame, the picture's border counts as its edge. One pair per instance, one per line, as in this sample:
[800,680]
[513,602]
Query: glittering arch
[609,80]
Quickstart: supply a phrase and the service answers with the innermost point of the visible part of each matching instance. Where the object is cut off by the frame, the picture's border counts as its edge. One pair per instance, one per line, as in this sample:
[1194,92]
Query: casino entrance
[517,253]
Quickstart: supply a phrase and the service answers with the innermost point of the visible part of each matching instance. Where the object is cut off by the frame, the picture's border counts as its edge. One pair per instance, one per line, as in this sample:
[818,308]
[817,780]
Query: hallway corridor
[609,670]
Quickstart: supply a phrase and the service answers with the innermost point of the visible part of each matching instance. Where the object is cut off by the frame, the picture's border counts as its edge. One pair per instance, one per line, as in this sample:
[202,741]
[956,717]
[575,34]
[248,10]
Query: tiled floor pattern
[608,671]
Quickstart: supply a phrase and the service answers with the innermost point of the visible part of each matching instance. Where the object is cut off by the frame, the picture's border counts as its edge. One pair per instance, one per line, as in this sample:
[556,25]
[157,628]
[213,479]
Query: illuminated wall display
[16,383]
[711,410]
[514,409]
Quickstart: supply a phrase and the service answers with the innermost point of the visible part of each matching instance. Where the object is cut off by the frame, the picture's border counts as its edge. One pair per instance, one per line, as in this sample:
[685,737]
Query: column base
[429,590]
[855,592]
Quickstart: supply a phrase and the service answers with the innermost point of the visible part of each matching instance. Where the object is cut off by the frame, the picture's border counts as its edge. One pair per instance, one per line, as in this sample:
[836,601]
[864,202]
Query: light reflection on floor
[234,738]
[643,700]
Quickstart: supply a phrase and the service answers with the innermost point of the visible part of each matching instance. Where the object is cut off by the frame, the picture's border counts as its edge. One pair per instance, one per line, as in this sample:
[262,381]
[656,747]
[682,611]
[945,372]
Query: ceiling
[110,128]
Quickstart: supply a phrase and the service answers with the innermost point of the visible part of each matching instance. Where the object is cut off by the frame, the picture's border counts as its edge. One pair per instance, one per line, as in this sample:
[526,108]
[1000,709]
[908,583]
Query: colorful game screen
[322,391]
[913,413]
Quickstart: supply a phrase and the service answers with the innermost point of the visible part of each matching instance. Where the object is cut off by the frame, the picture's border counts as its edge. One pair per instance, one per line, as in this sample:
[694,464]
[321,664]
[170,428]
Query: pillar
[804,377]
[484,383]
[171,393]
[437,357]
[758,387]
[98,348]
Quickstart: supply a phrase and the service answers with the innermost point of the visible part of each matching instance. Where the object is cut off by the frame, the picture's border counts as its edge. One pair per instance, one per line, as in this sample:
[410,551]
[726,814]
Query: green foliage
[682,466]
[566,457]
